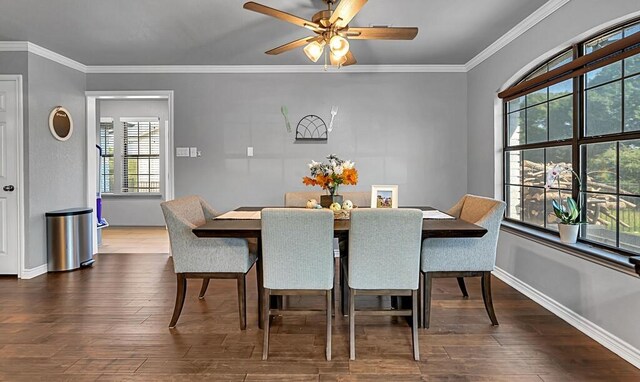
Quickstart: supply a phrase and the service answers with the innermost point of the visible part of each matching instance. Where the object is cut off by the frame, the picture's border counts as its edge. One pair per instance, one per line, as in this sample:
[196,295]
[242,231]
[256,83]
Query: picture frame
[60,123]
[384,196]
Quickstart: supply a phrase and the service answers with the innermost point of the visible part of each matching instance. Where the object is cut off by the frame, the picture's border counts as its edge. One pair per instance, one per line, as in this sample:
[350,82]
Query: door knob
[8,188]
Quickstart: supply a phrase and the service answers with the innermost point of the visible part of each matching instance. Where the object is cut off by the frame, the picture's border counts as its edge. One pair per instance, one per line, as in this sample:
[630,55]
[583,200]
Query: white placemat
[435,214]
[241,215]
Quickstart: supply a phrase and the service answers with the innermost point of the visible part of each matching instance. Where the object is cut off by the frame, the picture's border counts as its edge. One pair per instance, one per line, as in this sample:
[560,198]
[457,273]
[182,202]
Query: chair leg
[242,301]
[180,295]
[203,289]
[426,306]
[266,321]
[486,296]
[352,324]
[329,311]
[463,287]
[414,325]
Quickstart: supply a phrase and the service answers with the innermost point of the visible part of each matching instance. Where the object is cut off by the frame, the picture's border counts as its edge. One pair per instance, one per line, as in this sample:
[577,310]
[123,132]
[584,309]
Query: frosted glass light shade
[314,50]
[339,46]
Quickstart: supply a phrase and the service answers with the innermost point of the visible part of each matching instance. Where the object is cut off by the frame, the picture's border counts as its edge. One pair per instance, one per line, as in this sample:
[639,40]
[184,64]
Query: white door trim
[92,97]
[17,78]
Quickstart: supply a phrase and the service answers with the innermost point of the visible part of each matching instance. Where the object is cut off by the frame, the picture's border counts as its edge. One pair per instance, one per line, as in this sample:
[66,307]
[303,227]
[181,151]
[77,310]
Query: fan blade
[350,59]
[345,11]
[390,33]
[284,16]
[293,44]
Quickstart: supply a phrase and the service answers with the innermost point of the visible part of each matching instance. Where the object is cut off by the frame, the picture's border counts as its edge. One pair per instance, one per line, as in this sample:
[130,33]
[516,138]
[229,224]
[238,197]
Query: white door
[8,177]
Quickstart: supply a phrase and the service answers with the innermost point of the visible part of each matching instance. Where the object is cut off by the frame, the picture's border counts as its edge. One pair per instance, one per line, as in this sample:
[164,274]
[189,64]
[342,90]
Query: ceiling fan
[332,29]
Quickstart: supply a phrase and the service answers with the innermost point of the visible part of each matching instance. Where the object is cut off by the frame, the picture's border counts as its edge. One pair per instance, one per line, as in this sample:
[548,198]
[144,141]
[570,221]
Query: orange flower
[350,176]
[309,181]
[322,181]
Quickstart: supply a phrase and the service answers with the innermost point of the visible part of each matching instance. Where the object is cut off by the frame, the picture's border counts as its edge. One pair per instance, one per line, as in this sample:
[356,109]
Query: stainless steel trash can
[69,239]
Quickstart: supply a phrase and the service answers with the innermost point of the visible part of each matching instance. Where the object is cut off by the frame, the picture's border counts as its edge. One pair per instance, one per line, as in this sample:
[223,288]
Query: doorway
[11,190]
[130,188]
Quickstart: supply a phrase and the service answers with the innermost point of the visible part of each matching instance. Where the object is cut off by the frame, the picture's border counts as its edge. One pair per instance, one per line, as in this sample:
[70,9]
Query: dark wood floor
[110,323]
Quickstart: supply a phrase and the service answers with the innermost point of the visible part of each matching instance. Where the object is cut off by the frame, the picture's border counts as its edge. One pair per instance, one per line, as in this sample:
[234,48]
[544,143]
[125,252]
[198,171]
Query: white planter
[568,232]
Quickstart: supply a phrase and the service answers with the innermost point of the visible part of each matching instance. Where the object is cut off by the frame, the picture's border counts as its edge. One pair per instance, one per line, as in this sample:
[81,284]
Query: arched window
[580,109]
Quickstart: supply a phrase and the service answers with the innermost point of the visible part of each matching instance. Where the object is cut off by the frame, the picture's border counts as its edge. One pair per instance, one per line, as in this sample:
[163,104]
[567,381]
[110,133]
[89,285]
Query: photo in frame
[384,196]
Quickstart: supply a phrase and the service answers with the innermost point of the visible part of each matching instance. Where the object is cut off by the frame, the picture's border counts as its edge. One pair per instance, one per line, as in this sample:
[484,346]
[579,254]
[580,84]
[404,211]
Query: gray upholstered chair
[464,257]
[205,258]
[297,256]
[384,259]
[299,198]
[359,199]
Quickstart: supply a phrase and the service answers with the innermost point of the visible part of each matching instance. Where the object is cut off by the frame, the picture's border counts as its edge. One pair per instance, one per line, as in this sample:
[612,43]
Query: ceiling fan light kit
[332,28]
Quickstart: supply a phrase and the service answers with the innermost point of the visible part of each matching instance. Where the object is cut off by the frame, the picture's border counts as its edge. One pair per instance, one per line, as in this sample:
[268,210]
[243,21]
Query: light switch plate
[193,151]
[182,151]
[249,151]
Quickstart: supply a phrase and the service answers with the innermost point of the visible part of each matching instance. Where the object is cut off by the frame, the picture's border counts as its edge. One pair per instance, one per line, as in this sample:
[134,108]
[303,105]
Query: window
[581,108]
[136,170]
[106,160]
[141,159]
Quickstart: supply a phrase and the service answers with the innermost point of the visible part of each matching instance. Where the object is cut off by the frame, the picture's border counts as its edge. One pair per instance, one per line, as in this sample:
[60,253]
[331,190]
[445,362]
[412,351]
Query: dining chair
[359,199]
[204,258]
[384,259]
[463,257]
[297,256]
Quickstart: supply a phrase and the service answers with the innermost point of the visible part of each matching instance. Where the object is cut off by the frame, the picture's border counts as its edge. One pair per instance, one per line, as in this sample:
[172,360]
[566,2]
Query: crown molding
[26,46]
[231,69]
[540,14]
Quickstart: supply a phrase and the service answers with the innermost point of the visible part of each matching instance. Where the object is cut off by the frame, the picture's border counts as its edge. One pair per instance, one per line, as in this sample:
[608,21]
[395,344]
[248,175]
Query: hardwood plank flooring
[110,323]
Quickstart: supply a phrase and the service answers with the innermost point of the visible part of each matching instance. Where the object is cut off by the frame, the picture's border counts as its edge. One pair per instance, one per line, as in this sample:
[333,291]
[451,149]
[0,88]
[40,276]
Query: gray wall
[404,129]
[56,170]
[136,210]
[605,297]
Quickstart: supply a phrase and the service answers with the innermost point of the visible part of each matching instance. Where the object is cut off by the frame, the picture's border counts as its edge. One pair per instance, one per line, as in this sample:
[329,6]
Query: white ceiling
[221,32]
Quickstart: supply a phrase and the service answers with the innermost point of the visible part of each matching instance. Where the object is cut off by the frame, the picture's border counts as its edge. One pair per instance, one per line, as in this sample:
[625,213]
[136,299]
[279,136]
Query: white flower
[338,170]
[313,164]
[348,165]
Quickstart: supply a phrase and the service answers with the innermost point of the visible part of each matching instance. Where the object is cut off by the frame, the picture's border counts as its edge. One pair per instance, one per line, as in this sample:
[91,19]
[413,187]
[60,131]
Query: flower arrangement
[569,214]
[329,176]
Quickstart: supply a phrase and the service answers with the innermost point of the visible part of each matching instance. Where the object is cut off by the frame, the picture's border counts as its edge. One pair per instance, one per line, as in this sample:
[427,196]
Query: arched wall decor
[311,128]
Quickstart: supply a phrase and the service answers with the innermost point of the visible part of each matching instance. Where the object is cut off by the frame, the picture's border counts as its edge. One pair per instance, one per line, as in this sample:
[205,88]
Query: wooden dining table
[252,229]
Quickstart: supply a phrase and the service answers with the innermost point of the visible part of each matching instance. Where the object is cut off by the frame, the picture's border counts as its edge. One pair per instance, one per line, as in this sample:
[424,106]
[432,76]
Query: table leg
[344,283]
[259,275]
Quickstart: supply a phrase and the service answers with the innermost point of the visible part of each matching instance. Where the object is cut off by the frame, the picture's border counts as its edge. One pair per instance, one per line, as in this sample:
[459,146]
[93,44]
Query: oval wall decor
[60,123]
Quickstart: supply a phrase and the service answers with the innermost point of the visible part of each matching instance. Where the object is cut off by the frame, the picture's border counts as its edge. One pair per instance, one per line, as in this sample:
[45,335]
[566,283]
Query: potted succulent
[330,176]
[569,212]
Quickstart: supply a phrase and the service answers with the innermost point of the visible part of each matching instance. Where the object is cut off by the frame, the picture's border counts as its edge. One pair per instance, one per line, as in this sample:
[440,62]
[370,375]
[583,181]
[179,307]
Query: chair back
[297,248]
[182,216]
[299,198]
[485,212]
[384,248]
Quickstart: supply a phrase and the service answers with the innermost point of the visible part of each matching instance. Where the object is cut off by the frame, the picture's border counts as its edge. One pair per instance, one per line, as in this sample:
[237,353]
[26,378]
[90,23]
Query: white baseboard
[600,335]
[34,272]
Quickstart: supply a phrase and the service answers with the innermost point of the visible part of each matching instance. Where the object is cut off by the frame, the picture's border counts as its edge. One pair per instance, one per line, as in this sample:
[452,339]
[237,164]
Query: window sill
[132,195]
[609,259]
